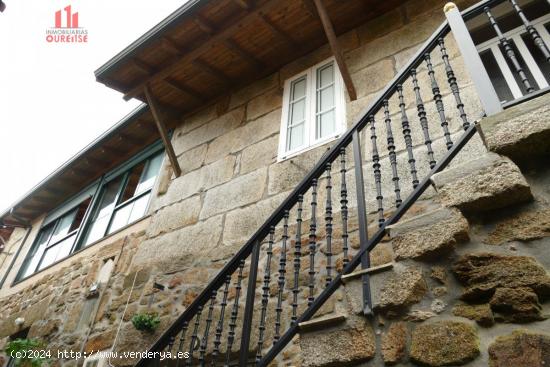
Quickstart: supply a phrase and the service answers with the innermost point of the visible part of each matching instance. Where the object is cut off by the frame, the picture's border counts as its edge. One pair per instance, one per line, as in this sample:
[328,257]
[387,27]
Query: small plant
[146,321]
[27,353]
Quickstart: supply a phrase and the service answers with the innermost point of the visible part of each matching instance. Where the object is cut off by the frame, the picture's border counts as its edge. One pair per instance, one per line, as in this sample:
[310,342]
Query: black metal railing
[294,262]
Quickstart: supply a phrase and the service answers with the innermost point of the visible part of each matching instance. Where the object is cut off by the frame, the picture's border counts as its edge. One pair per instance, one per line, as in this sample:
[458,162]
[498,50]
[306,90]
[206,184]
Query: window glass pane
[326,99]
[296,136]
[325,75]
[132,183]
[150,174]
[537,55]
[297,112]
[140,207]
[129,213]
[63,226]
[121,216]
[57,252]
[523,66]
[102,215]
[298,89]
[326,124]
[34,257]
[495,74]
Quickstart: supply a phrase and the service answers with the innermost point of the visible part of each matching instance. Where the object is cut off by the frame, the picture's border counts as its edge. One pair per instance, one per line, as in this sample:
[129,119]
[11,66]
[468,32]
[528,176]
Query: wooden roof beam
[243,54]
[171,46]
[245,4]
[224,33]
[199,64]
[335,47]
[143,66]
[162,130]
[183,89]
[277,32]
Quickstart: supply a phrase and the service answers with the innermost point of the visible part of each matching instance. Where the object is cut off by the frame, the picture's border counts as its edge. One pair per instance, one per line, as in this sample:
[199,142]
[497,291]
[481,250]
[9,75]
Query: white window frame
[310,140]
[514,35]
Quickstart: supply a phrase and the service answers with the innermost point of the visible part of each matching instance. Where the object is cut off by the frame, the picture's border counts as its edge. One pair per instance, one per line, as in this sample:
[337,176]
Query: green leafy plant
[146,321]
[27,353]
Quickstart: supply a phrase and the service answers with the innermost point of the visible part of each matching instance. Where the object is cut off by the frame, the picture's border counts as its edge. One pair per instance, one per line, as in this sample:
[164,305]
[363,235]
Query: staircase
[311,247]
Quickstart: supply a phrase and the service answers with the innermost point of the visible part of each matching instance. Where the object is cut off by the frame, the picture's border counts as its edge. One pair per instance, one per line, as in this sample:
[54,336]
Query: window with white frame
[502,73]
[313,109]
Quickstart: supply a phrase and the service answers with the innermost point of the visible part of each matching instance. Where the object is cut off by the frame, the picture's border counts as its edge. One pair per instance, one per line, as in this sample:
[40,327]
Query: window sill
[317,144]
[93,244]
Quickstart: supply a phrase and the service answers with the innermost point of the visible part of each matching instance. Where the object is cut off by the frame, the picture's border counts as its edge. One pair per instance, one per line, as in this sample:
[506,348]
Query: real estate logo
[67,28]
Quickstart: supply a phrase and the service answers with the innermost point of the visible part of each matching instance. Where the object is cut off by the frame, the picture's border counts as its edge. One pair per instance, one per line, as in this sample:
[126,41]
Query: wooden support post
[162,130]
[335,47]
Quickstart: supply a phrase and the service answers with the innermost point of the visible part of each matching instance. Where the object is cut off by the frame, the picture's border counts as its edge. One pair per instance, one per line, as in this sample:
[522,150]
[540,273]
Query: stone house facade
[233,176]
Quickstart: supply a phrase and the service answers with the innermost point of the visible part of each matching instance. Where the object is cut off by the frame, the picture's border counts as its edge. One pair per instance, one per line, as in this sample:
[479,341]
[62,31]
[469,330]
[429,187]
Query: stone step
[373,269]
[320,323]
[487,183]
[429,234]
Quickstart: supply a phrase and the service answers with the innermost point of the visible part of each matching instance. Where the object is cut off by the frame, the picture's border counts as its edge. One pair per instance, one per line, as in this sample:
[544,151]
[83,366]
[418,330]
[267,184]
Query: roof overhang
[207,48]
[130,135]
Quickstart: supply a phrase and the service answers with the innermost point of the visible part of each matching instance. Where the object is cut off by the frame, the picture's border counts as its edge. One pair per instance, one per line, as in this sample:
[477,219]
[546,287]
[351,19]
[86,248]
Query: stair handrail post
[474,66]
[249,306]
[362,216]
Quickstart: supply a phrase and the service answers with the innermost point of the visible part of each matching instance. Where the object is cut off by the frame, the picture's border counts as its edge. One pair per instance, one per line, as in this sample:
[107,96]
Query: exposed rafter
[171,46]
[163,131]
[199,64]
[183,89]
[335,47]
[245,4]
[277,32]
[222,35]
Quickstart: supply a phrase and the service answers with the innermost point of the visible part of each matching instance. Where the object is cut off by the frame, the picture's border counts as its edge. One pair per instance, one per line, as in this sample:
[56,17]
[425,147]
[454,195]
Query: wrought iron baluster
[344,205]
[509,51]
[204,342]
[531,30]
[171,342]
[312,242]
[377,173]
[438,102]
[407,135]
[281,281]
[392,155]
[265,294]
[194,336]
[219,327]
[423,119]
[451,78]
[234,314]
[328,224]
[297,256]
[181,341]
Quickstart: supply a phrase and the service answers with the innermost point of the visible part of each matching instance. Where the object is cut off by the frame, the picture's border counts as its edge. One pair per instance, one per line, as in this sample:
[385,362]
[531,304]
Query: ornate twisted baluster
[393,158]
[234,314]
[182,341]
[265,294]
[171,342]
[297,256]
[451,78]
[194,336]
[423,119]
[344,205]
[377,174]
[312,242]
[281,281]
[204,342]
[328,224]
[532,31]
[219,327]
[438,102]
[509,51]
[407,135]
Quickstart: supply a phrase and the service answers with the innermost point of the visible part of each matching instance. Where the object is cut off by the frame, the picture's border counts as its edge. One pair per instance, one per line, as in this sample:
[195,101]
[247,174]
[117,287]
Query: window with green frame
[119,198]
